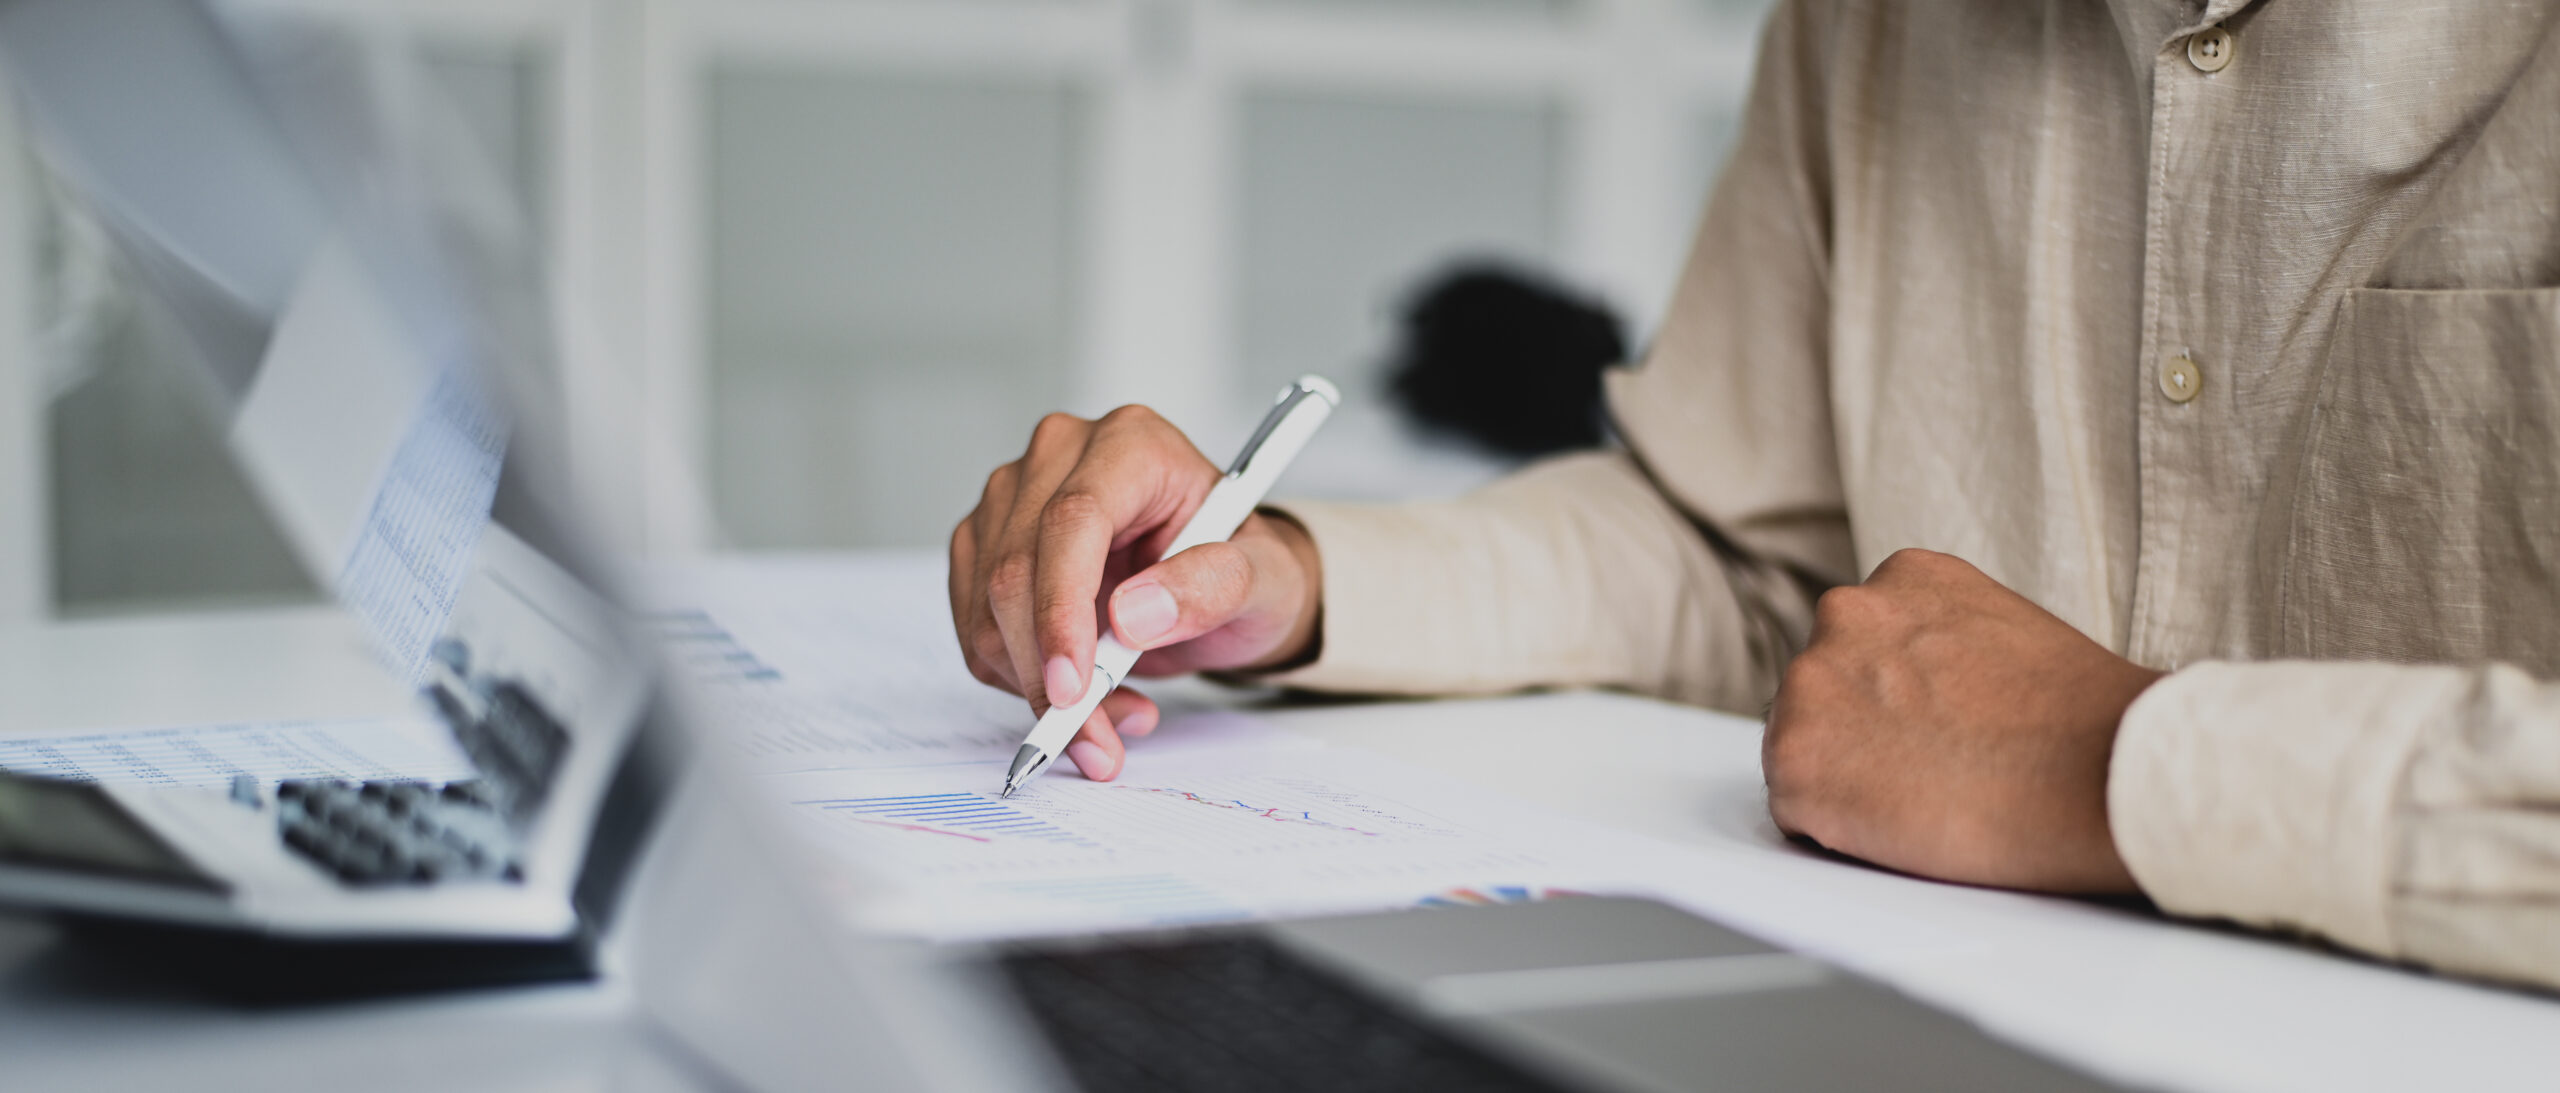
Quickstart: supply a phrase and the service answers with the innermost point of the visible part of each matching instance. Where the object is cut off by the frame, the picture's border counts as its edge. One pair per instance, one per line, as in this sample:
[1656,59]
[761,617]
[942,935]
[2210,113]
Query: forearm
[1575,572]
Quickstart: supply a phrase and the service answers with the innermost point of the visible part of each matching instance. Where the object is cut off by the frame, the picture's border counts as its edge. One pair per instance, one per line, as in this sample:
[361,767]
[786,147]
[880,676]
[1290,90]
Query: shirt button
[2180,379]
[2210,49]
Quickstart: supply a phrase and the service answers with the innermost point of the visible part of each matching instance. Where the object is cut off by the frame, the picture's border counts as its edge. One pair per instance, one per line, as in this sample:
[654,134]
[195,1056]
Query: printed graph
[707,651]
[977,817]
[1273,813]
[1494,893]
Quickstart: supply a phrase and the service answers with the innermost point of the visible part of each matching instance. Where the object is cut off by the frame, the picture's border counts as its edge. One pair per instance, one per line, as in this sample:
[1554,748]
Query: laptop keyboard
[1235,1013]
[378,833]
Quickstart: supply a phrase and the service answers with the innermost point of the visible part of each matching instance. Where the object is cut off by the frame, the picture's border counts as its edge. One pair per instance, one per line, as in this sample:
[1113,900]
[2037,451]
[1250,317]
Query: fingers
[1058,445]
[981,644]
[1132,714]
[965,606]
[1182,597]
[1076,529]
[1138,475]
[1050,532]
[1096,750]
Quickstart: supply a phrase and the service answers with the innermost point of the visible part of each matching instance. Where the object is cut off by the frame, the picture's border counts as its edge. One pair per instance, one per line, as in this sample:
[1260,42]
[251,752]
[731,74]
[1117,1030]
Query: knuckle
[1913,560]
[1208,575]
[1011,577]
[1071,509]
[1843,606]
[1000,483]
[1054,428]
[1132,416]
[988,643]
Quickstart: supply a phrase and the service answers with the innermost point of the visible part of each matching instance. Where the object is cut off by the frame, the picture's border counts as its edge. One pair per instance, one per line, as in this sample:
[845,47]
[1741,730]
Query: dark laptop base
[1597,993]
[264,970]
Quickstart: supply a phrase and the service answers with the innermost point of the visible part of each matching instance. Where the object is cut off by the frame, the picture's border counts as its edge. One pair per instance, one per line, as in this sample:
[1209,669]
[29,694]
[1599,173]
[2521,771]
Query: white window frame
[627,78]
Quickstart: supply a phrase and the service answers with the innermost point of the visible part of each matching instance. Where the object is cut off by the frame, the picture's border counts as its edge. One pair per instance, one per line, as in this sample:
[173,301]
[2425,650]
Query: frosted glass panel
[1735,11]
[1349,202]
[889,296]
[501,94]
[1712,132]
[148,510]
[1433,7]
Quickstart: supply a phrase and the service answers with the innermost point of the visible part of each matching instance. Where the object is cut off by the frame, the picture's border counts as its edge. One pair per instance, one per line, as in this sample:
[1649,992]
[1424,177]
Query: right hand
[1074,529]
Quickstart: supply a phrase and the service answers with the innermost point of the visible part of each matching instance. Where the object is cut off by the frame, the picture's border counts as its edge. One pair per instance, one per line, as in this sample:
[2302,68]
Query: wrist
[2113,874]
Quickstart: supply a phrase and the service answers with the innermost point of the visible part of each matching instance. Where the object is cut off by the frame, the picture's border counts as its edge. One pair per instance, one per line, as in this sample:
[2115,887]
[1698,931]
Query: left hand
[1940,724]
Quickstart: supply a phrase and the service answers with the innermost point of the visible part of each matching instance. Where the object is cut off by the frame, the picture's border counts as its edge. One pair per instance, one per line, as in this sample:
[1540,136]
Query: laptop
[387,411]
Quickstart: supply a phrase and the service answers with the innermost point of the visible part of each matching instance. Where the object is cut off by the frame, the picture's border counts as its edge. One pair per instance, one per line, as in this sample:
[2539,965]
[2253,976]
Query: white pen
[1302,408]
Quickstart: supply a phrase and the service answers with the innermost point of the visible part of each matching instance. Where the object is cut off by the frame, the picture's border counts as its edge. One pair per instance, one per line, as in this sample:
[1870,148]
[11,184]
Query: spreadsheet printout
[210,756]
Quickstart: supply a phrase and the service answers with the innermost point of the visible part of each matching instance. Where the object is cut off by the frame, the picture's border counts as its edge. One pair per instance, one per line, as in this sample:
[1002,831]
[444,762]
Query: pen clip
[1289,400]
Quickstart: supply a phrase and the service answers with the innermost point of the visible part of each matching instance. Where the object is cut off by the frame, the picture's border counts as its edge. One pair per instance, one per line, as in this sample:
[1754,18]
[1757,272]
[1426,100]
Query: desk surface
[2126,992]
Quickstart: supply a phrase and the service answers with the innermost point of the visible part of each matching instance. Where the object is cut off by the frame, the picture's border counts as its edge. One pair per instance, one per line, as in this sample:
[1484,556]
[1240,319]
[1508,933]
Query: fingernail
[1144,612]
[1064,683]
[1091,760]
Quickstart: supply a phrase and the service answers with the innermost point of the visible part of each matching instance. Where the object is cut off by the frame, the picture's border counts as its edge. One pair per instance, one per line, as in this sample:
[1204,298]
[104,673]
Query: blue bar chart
[977,816]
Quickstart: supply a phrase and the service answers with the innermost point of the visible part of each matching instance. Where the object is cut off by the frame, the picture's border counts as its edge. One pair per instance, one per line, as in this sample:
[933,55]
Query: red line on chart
[923,828]
[1233,805]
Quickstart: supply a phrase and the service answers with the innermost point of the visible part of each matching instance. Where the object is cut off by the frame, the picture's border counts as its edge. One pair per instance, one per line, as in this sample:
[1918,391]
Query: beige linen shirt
[2242,356]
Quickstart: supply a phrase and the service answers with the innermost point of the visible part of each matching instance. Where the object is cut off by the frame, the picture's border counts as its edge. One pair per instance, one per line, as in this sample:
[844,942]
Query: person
[2183,381]
[1505,363]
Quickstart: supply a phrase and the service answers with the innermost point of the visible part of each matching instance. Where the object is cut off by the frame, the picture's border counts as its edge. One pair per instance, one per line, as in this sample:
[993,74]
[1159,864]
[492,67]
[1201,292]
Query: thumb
[1182,597]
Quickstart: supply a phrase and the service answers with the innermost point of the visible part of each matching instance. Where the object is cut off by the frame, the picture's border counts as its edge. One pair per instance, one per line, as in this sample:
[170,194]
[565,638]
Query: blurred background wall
[820,264]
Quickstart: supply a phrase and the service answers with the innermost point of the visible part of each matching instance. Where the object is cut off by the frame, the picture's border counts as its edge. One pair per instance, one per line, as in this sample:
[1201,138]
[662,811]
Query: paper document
[842,684]
[379,463]
[212,755]
[799,671]
[842,687]
[1254,826]
[407,566]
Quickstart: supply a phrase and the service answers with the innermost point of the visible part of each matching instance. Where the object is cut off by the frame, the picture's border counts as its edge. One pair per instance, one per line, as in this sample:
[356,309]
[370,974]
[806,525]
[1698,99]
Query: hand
[1940,724]
[1075,527]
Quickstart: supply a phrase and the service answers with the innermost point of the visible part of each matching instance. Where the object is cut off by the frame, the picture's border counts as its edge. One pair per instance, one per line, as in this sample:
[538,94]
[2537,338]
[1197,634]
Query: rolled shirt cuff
[2266,793]
[1368,643]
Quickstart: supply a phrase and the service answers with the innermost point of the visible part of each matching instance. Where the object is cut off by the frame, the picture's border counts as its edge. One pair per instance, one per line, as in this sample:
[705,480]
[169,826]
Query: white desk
[2127,993]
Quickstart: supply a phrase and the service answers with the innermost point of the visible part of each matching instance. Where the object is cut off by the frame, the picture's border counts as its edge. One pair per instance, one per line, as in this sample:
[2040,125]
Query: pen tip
[1008,790]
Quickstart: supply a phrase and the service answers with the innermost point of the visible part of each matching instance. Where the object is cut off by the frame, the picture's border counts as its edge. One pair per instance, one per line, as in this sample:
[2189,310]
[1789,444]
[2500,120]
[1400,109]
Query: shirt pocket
[2425,522]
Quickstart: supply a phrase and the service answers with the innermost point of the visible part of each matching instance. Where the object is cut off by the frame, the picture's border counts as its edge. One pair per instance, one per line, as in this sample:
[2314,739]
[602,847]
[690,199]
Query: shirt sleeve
[1576,572]
[2409,812]
[1686,565]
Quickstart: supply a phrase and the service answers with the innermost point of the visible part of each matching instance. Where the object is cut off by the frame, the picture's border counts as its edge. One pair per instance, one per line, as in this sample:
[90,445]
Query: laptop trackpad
[1638,995]
[1843,1034]
[1400,952]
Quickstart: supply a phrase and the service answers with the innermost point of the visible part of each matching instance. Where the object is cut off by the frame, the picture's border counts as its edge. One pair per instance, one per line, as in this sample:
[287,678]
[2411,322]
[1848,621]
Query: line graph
[1277,830]
[1232,804]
